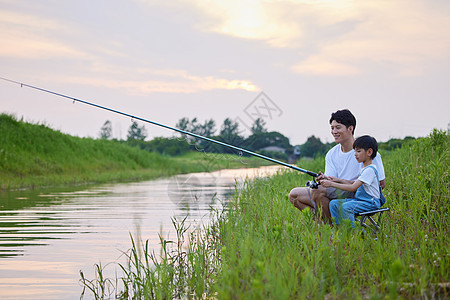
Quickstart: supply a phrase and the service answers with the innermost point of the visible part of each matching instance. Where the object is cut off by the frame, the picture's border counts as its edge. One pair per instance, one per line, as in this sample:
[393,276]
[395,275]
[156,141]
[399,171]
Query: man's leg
[301,199]
[322,201]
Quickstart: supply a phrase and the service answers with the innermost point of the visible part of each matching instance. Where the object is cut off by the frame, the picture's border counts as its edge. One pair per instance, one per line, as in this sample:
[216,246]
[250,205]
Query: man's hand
[321,177]
[331,178]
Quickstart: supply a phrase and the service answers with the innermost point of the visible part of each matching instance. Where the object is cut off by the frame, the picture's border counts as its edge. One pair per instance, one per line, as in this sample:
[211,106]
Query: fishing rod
[314,175]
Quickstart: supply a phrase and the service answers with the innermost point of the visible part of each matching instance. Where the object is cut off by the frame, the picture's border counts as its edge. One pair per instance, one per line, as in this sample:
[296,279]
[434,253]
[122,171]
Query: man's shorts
[334,193]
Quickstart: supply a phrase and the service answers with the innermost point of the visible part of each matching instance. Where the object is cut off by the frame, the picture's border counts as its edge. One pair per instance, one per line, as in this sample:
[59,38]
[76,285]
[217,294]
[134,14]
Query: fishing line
[73,99]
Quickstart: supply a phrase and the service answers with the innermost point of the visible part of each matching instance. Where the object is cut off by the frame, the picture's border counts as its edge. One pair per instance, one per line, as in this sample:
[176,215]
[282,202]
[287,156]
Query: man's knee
[294,195]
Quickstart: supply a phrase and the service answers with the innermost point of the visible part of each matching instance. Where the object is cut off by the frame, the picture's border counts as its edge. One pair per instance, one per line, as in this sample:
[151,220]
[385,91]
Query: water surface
[48,236]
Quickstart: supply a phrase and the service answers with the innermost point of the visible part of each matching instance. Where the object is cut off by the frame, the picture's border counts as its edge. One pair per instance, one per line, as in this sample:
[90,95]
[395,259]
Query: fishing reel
[313,184]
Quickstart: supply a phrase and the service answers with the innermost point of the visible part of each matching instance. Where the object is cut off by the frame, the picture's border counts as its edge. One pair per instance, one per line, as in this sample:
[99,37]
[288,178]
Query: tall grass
[262,247]
[34,155]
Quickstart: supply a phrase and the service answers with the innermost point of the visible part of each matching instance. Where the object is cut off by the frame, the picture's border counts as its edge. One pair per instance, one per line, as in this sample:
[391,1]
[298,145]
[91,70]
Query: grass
[262,247]
[34,155]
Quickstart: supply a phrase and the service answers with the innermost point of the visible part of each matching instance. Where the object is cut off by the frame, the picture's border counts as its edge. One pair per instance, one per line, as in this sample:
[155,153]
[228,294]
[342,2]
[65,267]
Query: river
[48,236]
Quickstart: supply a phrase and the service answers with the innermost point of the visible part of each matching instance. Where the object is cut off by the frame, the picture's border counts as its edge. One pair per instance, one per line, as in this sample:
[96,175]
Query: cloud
[337,37]
[331,37]
[320,65]
[29,37]
[246,19]
[255,20]
[167,81]
[41,39]
[402,36]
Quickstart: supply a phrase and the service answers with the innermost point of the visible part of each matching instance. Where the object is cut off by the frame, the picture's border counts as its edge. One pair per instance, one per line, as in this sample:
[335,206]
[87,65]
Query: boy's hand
[326,183]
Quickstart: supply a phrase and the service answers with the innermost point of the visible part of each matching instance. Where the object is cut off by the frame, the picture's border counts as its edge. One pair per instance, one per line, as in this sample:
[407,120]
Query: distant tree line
[273,144]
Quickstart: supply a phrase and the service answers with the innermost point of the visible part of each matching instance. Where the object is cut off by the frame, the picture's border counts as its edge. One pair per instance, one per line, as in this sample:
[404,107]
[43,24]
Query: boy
[367,185]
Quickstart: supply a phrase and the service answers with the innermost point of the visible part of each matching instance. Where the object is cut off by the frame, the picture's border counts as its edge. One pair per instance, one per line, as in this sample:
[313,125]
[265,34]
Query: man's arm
[378,162]
[330,167]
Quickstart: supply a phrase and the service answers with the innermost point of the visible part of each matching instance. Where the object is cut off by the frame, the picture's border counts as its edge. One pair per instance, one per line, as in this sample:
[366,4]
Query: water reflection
[48,236]
[31,218]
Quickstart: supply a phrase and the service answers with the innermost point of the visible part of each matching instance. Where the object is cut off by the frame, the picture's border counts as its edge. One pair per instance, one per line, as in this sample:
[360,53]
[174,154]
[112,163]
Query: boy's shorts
[334,193]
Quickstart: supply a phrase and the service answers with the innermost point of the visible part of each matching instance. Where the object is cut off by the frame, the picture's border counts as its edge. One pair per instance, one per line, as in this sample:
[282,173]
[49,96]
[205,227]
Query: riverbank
[33,155]
[262,247]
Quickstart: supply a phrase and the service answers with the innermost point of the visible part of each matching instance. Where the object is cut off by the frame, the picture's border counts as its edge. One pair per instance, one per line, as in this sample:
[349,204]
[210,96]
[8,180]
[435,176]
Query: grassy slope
[262,247]
[34,155]
[273,250]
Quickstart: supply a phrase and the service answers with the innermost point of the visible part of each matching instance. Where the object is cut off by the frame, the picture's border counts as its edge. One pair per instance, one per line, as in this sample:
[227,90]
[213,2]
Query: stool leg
[379,219]
[363,224]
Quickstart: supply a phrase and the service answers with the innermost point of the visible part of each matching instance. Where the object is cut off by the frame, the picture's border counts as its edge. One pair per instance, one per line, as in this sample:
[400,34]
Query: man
[340,162]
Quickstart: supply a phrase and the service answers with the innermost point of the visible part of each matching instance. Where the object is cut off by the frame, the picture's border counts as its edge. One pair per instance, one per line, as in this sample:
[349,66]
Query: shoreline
[189,163]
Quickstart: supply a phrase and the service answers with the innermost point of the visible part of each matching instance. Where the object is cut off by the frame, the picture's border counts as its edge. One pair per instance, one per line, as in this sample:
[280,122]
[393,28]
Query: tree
[259,126]
[229,133]
[229,128]
[183,124]
[313,147]
[106,130]
[208,128]
[136,133]
[262,140]
[205,129]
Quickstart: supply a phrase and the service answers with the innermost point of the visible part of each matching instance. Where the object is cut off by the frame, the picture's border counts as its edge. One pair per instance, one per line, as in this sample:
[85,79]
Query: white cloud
[166,81]
[247,19]
[29,37]
[405,36]
[318,65]
[39,39]
[344,35]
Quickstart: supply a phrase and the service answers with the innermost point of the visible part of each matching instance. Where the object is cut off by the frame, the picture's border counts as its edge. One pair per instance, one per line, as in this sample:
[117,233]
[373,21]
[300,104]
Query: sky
[290,62]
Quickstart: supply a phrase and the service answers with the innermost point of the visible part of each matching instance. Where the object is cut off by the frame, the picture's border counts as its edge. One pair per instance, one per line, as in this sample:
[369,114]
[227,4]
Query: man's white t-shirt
[370,182]
[344,165]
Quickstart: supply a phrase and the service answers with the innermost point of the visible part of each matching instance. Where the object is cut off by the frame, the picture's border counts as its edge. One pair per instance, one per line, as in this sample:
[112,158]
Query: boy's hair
[366,142]
[345,117]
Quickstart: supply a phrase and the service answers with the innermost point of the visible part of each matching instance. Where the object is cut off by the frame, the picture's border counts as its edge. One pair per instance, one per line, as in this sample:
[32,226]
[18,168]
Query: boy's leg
[349,208]
[334,210]
[337,209]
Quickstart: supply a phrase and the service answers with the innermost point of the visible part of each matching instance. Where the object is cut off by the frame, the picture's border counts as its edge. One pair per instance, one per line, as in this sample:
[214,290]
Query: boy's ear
[369,152]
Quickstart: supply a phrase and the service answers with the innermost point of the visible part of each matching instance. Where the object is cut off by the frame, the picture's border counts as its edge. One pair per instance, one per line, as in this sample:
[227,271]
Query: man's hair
[366,142]
[344,117]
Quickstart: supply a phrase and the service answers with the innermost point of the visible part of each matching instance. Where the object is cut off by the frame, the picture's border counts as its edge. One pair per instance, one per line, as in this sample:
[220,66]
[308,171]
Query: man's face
[340,132]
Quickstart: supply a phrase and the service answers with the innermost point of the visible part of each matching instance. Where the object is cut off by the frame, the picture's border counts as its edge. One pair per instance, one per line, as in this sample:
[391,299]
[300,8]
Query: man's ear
[351,128]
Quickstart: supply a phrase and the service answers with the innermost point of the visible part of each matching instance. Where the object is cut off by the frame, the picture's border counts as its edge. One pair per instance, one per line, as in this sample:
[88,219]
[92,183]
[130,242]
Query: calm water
[48,236]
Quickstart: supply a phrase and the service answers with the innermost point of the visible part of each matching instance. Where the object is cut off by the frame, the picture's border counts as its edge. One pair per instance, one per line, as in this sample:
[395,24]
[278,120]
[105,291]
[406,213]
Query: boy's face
[362,155]
[340,132]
